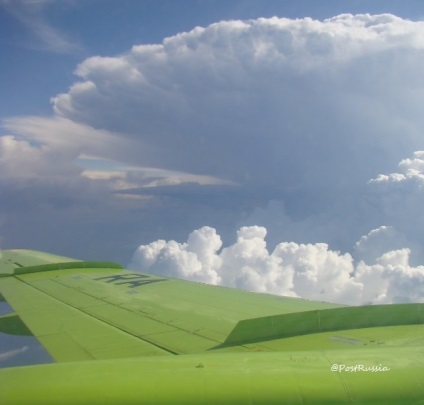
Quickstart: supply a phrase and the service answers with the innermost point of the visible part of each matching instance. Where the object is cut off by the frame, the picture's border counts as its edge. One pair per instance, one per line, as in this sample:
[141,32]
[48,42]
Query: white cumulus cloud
[311,271]
[195,260]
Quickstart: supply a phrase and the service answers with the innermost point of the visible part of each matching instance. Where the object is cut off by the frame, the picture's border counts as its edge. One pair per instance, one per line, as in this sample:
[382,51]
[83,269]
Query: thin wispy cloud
[43,34]
[12,353]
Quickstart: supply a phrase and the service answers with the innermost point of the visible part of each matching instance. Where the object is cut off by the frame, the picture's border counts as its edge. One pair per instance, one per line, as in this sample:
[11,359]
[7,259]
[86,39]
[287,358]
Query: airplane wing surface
[122,336]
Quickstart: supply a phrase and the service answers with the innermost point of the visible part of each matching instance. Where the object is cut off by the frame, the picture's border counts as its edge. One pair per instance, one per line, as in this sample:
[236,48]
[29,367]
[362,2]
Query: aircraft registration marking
[132,280]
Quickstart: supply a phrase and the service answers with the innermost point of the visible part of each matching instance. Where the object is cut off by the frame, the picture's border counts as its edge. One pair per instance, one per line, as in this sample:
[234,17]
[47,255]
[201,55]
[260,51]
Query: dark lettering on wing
[132,280]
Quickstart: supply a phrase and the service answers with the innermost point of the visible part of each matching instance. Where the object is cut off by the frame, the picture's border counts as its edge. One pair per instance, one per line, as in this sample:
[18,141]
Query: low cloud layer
[311,271]
[381,269]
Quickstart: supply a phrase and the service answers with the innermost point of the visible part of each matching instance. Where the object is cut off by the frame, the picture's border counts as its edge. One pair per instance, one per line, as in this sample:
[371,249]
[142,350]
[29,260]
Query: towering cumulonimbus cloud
[278,102]
[272,102]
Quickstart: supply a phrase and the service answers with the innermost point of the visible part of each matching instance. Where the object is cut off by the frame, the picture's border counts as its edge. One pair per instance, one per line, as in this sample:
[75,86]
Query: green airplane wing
[121,336]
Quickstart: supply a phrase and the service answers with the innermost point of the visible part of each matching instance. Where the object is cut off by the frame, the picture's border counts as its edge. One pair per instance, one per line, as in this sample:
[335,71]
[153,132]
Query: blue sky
[123,125]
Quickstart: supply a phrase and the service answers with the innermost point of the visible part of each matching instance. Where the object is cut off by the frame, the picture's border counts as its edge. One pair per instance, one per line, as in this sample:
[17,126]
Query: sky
[275,146]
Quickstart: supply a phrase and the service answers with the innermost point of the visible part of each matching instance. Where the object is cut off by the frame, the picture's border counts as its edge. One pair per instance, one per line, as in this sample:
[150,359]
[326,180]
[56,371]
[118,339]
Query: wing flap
[335,319]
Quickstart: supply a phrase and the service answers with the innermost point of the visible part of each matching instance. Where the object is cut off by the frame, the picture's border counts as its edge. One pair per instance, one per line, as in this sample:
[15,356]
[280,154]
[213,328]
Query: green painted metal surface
[41,268]
[21,257]
[13,325]
[121,337]
[258,378]
[301,323]
[67,333]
